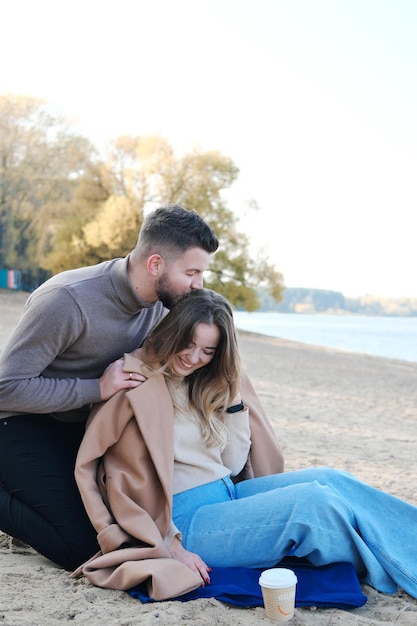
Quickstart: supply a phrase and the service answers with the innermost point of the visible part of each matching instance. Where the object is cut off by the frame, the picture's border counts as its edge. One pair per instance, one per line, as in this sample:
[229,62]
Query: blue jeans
[323,514]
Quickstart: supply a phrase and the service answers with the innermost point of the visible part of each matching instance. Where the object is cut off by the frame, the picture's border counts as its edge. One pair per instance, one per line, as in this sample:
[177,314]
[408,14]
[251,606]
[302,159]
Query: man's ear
[155,264]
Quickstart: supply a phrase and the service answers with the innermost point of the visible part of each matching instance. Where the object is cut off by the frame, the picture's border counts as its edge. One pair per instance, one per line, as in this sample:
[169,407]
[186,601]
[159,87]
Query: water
[392,337]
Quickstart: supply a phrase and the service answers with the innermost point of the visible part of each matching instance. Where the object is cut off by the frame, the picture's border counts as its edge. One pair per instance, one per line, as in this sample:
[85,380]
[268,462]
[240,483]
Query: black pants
[39,499]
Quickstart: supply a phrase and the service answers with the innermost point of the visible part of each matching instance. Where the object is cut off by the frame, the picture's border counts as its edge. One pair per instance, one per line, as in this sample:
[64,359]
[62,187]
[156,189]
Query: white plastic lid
[277,578]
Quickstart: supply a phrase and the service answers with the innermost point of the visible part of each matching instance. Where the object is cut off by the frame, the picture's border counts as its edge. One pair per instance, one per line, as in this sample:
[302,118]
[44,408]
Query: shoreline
[314,346]
[383,336]
[328,407]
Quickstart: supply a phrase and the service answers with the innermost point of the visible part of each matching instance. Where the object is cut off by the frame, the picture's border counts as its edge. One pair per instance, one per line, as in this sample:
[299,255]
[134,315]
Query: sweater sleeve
[236,452]
[35,343]
[266,455]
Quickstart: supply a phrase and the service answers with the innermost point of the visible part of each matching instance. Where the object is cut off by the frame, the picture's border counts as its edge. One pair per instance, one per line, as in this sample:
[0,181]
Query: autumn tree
[40,163]
[144,172]
[62,205]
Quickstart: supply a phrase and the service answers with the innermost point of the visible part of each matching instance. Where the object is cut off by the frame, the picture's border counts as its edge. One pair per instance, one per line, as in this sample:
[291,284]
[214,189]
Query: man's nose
[197,282]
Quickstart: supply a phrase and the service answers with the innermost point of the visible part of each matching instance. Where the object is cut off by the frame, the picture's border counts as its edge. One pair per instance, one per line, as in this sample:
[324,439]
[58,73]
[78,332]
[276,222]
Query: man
[66,354]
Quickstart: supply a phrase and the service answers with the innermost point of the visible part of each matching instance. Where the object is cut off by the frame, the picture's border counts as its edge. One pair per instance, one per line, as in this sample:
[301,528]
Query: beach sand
[327,407]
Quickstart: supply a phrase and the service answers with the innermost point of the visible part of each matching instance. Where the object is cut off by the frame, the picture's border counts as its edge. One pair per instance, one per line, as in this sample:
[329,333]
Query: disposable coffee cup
[278,591]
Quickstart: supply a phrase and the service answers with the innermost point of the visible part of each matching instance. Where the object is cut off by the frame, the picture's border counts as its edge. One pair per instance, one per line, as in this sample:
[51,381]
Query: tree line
[305,300]
[64,203]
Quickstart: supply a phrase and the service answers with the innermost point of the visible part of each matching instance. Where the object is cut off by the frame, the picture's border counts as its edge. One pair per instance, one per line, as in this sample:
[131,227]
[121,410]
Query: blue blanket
[329,586]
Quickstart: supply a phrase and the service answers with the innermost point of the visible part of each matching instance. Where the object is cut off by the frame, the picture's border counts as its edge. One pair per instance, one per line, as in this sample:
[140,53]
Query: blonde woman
[184,474]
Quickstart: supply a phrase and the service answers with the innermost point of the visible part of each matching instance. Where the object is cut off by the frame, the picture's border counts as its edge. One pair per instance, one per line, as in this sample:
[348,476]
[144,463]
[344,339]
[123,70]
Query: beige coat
[124,473]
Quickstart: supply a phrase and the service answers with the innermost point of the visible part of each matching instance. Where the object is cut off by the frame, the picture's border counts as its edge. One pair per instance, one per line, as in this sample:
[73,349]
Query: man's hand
[190,559]
[114,379]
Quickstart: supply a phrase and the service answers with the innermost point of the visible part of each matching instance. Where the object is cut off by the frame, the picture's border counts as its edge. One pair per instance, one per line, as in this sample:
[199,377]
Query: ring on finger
[130,376]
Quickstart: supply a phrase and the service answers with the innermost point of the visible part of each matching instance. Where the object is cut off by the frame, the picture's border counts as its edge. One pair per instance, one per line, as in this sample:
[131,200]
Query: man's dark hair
[174,228]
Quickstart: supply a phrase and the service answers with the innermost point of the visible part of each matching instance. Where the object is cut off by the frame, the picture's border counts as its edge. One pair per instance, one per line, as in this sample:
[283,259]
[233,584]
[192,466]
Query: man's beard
[166,292]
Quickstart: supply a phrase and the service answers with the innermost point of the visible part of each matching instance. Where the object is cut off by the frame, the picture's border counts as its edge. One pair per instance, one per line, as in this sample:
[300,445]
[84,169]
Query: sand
[328,407]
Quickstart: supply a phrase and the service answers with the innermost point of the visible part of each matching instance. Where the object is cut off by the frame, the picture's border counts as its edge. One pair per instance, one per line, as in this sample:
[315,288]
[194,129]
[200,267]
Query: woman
[160,472]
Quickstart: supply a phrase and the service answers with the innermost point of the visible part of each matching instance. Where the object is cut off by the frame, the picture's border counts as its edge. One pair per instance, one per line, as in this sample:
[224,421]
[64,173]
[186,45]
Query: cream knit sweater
[195,463]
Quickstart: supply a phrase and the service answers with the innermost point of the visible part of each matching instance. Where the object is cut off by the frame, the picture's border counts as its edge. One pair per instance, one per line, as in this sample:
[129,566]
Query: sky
[315,101]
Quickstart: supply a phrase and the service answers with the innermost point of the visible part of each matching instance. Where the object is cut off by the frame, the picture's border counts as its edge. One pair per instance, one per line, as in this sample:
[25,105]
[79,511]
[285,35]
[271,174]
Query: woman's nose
[194,355]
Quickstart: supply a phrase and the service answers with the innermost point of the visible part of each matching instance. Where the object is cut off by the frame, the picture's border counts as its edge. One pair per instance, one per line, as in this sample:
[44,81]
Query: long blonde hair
[212,387]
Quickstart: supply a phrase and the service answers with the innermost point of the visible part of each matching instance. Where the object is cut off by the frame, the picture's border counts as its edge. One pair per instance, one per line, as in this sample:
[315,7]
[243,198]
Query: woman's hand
[115,378]
[190,559]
